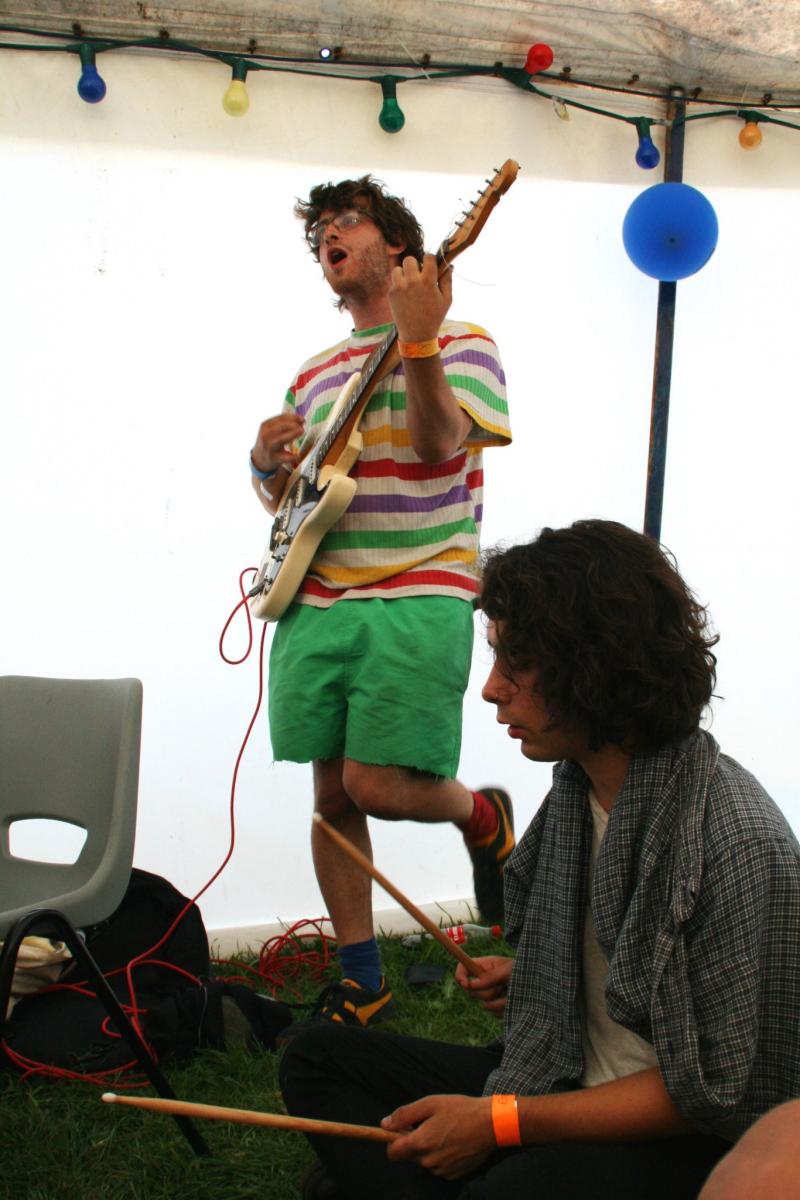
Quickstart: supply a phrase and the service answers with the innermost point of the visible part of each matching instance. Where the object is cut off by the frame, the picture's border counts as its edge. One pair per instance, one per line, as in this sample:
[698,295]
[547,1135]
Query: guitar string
[368,370]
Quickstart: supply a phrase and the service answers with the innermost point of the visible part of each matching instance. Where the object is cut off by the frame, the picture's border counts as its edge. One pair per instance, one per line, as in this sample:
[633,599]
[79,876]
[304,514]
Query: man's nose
[489,691]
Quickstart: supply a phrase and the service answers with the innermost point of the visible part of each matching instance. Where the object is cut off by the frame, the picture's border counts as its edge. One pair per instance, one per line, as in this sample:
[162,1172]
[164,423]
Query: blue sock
[361,961]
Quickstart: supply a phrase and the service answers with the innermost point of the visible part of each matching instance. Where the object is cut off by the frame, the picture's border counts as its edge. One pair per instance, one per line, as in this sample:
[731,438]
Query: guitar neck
[351,411]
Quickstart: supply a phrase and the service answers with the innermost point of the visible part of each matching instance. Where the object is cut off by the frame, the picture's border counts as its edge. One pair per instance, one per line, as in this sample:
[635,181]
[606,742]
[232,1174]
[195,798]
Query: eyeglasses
[342,221]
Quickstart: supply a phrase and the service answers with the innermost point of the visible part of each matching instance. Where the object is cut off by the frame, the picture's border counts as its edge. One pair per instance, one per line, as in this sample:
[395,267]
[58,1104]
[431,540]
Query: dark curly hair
[621,647]
[395,220]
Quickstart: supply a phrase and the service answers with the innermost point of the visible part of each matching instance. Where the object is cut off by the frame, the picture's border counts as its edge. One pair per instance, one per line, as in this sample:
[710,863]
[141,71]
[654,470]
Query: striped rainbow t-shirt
[412,529]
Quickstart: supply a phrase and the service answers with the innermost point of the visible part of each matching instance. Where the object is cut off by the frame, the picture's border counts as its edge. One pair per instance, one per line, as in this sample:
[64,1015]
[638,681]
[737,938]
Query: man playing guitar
[369,664]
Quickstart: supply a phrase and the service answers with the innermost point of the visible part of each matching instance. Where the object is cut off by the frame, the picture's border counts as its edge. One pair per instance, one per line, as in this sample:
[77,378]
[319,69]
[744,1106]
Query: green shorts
[378,681]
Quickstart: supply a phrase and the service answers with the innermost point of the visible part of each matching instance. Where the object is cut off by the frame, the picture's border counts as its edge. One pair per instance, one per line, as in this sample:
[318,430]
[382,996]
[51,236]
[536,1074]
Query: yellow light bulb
[236,100]
[750,136]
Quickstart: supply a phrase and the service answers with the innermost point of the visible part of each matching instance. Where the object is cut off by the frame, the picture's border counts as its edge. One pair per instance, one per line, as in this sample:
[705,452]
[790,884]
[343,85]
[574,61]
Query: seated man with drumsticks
[650,1012]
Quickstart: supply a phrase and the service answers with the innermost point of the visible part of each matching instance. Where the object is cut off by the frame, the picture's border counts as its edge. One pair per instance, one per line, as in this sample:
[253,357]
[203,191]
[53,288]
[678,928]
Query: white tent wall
[156,301]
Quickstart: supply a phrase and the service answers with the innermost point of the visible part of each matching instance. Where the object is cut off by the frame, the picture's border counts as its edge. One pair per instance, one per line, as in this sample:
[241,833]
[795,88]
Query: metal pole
[665,331]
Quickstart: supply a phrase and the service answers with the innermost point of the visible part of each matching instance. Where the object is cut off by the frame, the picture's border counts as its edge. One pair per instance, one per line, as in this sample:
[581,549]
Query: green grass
[62,1143]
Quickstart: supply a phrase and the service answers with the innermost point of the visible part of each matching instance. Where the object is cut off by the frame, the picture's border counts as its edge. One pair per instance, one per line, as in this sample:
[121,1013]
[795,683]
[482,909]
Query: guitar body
[320,489]
[306,514]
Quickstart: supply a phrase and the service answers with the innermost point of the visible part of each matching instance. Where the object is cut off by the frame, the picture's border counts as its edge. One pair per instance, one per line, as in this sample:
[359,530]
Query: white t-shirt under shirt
[610,1051]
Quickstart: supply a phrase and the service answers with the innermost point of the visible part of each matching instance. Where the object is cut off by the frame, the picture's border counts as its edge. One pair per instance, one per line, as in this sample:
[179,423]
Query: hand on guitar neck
[420,298]
[275,448]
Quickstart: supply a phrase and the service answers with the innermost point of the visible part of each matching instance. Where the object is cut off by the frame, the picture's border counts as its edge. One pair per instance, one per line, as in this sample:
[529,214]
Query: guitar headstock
[472,221]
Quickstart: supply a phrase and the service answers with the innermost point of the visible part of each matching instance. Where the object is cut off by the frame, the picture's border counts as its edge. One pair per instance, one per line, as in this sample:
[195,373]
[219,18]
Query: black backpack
[65,1029]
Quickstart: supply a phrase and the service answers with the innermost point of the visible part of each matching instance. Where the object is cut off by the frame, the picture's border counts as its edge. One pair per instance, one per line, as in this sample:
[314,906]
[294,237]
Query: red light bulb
[540,57]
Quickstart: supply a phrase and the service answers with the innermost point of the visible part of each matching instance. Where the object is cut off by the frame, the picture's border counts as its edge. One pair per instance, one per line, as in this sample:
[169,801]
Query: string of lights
[92,88]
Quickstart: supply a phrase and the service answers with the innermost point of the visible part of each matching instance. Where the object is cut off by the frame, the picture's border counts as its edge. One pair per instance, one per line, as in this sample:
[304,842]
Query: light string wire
[517,76]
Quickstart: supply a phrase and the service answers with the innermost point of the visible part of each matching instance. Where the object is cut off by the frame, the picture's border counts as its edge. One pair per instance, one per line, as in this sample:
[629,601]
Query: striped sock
[483,823]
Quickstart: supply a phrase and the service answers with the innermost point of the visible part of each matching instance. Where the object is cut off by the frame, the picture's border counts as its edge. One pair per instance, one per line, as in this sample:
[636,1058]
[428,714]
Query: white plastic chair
[69,753]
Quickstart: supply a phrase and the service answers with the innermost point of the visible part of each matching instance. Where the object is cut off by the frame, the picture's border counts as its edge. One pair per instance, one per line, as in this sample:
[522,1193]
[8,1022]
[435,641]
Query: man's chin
[538,753]
[340,287]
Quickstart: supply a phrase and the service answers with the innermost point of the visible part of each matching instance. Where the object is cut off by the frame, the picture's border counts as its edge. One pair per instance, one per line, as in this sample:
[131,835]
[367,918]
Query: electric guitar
[320,488]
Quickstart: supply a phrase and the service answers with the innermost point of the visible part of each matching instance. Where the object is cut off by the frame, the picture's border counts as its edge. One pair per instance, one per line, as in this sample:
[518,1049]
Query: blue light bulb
[91,87]
[647,155]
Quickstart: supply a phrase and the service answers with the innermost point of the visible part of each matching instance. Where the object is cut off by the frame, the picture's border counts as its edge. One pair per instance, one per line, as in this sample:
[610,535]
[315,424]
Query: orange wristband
[505,1121]
[418,349]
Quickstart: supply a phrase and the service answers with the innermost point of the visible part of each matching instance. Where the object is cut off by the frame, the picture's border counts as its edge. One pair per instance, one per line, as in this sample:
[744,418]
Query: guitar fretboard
[376,357]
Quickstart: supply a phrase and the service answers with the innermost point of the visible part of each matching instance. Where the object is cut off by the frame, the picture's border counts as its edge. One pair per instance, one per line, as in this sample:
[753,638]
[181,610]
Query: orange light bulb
[750,136]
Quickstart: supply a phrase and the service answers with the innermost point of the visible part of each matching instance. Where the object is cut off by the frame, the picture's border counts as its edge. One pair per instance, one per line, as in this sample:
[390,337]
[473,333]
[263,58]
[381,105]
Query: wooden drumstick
[469,964]
[247,1116]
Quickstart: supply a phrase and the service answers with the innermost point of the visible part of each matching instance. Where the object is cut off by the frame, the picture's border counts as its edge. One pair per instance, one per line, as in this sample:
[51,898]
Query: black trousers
[359,1076]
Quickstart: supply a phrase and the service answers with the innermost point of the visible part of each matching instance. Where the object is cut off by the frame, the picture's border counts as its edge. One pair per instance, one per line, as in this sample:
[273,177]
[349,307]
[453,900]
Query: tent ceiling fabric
[736,50]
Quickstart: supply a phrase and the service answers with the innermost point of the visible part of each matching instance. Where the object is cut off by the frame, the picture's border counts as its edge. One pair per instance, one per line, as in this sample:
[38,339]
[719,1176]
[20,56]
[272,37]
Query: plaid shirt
[696,902]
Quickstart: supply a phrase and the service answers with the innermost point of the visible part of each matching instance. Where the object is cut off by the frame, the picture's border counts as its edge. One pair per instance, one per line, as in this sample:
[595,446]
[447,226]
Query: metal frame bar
[665,333]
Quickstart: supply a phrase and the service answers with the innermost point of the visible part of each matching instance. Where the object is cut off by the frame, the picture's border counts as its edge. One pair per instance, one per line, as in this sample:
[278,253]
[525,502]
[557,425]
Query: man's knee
[333,805]
[331,800]
[377,791]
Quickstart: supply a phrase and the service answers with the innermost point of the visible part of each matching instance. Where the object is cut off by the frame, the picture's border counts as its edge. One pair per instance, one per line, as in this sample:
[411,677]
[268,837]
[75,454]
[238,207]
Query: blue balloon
[670,231]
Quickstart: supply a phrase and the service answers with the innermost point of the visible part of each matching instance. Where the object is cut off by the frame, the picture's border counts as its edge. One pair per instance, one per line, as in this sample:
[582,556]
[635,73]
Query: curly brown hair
[395,220]
[621,647]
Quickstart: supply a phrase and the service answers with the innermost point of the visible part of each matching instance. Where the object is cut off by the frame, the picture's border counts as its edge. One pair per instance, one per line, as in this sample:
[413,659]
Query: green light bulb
[391,118]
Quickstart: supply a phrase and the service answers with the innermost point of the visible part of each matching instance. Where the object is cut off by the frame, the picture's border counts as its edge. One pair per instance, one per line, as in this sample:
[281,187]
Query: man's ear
[397,253]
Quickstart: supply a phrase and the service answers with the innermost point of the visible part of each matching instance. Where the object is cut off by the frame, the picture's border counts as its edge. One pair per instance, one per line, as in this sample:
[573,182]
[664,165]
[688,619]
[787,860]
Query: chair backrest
[69,751]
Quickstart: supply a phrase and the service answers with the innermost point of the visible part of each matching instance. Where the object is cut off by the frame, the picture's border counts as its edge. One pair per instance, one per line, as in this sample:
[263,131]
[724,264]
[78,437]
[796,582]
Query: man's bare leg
[398,794]
[485,818]
[346,793]
[346,890]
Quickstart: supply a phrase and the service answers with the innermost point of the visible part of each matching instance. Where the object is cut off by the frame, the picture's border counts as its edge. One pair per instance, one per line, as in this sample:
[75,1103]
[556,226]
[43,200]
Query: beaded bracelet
[505,1121]
[262,475]
[418,349]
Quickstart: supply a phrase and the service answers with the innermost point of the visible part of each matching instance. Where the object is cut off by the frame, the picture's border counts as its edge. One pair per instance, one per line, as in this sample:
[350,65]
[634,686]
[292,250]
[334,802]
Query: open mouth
[336,256]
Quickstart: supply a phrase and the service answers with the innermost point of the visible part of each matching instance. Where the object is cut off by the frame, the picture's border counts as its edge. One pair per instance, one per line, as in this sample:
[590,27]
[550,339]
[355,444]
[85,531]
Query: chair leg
[63,926]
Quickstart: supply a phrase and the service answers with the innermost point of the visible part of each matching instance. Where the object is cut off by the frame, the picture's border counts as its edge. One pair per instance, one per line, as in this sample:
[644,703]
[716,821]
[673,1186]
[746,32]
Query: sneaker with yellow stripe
[349,1003]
